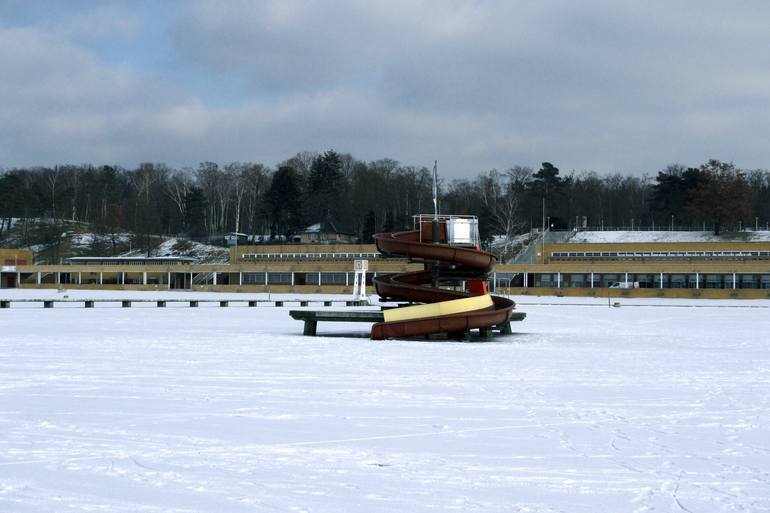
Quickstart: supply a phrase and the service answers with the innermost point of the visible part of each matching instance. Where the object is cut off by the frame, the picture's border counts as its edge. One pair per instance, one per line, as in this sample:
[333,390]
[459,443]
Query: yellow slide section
[466,304]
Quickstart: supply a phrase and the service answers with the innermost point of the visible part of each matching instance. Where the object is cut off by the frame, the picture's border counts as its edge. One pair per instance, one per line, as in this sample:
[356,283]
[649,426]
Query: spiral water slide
[443,310]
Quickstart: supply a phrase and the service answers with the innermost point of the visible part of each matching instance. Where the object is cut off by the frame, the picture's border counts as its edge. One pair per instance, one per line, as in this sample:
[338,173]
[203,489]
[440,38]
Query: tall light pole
[543,230]
[435,235]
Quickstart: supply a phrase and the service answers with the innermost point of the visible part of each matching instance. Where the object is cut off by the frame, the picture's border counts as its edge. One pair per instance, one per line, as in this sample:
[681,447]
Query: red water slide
[454,265]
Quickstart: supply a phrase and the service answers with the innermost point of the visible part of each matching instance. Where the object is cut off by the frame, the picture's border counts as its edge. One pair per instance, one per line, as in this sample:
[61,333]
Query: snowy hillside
[666,236]
[51,243]
[182,247]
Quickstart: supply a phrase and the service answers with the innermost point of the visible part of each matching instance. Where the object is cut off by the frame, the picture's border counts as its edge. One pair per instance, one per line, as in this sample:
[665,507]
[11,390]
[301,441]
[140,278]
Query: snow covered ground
[596,237]
[585,409]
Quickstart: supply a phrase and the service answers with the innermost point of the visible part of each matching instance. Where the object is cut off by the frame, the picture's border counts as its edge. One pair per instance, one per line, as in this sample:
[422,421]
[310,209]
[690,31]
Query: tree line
[362,198]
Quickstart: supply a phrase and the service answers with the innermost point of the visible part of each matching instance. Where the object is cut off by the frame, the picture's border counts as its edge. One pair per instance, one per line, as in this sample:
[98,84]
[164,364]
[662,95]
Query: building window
[644,280]
[333,278]
[504,280]
[253,278]
[576,280]
[279,278]
[748,281]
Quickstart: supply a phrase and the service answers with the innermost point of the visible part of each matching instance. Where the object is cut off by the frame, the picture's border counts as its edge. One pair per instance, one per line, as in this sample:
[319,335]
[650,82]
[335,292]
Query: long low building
[266,268]
[579,265]
[645,264]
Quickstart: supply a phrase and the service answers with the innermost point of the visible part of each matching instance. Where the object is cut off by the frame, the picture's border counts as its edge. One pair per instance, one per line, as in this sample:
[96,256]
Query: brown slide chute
[454,264]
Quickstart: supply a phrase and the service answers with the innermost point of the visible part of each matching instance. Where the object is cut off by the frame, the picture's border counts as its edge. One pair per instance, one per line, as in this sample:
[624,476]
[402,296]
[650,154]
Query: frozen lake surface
[657,407]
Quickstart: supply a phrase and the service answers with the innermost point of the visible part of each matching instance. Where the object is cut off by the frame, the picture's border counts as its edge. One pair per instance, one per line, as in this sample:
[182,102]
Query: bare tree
[176,188]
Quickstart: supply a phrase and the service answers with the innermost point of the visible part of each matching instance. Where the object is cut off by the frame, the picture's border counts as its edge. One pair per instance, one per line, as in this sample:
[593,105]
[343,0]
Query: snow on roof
[599,237]
[132,258]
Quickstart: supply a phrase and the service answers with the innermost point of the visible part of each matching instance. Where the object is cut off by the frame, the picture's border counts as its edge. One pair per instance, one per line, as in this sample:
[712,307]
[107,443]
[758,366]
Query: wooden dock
[190,302]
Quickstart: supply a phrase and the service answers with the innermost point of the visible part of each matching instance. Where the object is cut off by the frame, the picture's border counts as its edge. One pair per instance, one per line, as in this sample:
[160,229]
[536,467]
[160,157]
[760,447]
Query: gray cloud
[609,86]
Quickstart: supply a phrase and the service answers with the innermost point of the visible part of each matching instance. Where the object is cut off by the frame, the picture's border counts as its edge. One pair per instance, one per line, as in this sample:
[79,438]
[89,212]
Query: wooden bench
[311,318]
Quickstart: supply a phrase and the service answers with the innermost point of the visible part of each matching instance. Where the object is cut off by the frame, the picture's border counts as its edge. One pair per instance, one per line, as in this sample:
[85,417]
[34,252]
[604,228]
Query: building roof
[131,259]
[323,227]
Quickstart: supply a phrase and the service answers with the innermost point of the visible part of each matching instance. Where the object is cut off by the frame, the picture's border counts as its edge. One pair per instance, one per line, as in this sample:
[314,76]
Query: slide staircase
[443,310]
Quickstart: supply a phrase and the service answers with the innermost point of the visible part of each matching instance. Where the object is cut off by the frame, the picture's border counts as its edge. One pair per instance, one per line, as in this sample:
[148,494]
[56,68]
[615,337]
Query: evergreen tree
[326,195]
[547,185]
[722,197]
[370,228]
[195,211]
[285,199]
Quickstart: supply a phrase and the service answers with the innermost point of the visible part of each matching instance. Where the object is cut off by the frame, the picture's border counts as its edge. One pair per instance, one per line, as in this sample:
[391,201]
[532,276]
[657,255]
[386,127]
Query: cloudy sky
[610,86]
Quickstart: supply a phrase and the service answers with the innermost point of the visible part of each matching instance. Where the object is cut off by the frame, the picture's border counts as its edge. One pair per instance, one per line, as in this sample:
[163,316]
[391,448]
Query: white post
[58,278]
[144,277]
[240,278]
[39,278]
[626,280]
[359,282]
[526,277]
[319,278]
[215,277]
[292,278]
[661,280]
[733,281]
[265,278]
[101,278]
[592,279]
[80,278]
[169,280]
[697,281]
[558,280]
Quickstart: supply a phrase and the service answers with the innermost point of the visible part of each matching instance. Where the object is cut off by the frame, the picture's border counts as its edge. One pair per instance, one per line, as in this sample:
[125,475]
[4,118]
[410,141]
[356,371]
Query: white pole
[661,280]
[240,278]
[215,277]
[558,280]
[697,281]
[169,280]
[526,278]
[144,277]
[80,278]
[733,281]
[39,278]
[101,278]
[626,280]
[592,279]
[435,190]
